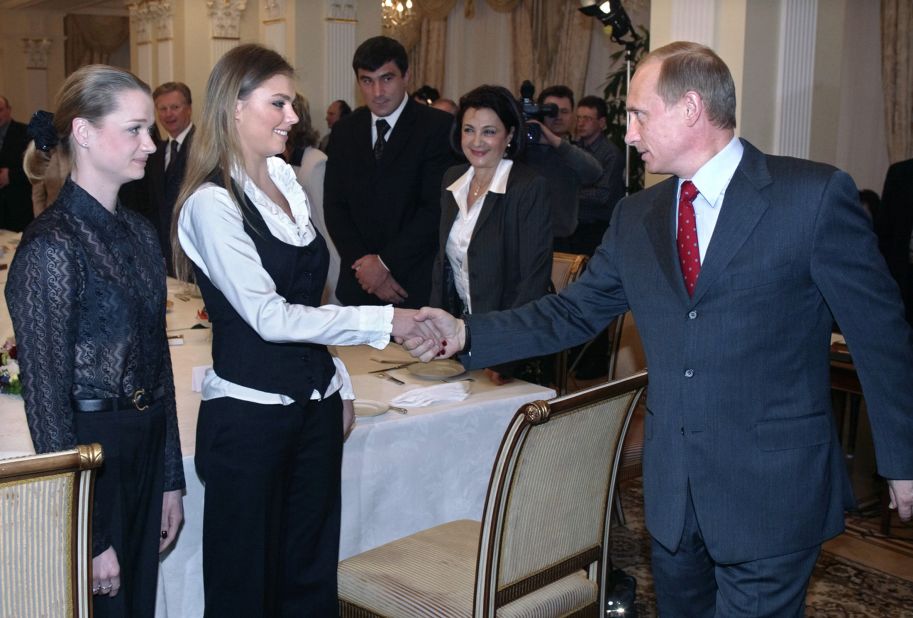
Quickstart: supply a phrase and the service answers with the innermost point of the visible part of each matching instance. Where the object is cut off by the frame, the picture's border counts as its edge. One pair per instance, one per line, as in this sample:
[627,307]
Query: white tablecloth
[400,473]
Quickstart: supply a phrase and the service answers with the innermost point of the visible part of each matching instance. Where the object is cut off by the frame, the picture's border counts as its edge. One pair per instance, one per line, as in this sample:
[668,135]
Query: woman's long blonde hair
[216,148]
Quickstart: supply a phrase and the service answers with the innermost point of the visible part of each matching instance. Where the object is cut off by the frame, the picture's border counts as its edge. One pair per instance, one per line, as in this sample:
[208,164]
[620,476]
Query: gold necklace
[474,193]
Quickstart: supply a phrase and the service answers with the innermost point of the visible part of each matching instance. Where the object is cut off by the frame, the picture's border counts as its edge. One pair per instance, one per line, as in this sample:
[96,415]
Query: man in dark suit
[382,188]
[597,199]
[155,194]
[735,269]
[896,221]
[15,190]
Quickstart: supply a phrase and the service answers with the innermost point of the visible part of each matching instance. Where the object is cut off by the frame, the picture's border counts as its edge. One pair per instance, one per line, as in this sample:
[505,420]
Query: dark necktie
[382,127]
[689,255]
[173,153]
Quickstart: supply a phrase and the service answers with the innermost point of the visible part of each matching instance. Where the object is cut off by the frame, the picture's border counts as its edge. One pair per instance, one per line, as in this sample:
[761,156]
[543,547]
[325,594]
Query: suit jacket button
[692,314]
[689,373]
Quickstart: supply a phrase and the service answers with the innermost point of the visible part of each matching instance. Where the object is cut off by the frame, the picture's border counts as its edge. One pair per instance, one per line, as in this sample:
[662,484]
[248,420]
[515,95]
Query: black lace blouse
[86,292]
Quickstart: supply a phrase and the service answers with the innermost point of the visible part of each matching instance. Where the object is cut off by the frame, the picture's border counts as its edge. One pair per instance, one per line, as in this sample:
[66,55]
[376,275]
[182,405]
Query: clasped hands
[374,278]
[428,333]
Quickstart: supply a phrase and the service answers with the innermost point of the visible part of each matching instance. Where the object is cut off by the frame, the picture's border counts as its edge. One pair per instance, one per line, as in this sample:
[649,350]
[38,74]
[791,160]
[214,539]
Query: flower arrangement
[9,369]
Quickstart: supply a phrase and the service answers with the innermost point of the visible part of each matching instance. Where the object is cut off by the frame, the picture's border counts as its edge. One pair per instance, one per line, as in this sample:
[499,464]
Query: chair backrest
[547,510]
[45,533]
[627,354]
[566,268]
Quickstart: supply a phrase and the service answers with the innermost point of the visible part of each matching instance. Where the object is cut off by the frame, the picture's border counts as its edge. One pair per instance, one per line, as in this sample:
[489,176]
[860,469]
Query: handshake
[428,333]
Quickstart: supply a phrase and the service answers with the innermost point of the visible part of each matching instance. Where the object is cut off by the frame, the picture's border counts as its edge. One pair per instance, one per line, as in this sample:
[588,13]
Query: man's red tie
[689,255]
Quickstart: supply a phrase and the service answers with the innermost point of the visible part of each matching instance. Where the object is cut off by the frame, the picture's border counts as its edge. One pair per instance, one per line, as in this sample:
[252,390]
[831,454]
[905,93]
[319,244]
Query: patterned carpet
[839,588]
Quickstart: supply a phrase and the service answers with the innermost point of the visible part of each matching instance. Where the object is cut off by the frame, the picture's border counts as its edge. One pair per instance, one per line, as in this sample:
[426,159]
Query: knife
[385,376]
[392,368]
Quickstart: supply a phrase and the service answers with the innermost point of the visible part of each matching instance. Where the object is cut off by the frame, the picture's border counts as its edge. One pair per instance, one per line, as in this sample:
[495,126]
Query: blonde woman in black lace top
[86,293]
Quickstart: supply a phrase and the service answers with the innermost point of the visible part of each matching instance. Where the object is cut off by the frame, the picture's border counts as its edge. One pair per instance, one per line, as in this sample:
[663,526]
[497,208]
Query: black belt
[139,401]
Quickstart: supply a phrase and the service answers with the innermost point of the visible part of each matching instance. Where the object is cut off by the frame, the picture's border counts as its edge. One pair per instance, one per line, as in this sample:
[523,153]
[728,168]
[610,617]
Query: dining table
[402,471]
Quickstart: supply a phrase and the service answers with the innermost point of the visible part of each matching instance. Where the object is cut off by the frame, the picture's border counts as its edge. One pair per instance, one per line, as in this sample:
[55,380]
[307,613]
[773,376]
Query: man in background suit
[597,199]
[896,218]
[382,188]
[155,194]
[336,110]
[15,190]
[564,165]
[735,269]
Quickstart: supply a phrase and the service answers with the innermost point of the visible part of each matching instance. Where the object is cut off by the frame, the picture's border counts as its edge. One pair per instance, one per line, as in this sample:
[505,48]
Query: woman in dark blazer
[495,233]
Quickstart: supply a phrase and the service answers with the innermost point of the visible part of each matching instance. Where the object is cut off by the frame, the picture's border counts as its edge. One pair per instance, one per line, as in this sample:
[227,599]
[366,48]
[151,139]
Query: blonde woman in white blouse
[269,433]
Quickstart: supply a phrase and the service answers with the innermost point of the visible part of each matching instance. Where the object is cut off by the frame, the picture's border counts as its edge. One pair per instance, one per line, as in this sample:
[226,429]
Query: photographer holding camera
[565,166]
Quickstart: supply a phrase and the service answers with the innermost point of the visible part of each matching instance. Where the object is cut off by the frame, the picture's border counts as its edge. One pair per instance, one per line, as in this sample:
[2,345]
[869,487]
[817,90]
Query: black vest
[239,354]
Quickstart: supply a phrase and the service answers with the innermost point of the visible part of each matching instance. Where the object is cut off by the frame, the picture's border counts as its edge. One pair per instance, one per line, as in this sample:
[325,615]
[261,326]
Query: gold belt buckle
[138,399]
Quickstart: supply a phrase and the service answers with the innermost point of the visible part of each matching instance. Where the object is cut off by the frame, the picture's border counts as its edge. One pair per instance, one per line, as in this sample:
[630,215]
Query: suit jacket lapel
[360,140]
[489,205]
[448,216]
[743,206]
[660,225]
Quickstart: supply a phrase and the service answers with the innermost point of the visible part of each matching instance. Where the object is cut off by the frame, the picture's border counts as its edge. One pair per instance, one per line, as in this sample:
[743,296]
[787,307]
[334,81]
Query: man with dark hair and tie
[382,191]
[735,269]
[155,194]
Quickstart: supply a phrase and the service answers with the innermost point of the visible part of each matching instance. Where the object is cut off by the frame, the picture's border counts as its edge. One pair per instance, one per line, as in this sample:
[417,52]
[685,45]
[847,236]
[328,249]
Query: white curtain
[479,51]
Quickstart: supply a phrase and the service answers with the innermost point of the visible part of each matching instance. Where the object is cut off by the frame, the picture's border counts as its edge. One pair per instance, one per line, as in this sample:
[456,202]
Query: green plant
[615,93]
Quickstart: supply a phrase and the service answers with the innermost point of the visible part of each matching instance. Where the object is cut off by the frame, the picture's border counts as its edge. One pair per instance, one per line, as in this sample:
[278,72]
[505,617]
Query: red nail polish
[440,352]
[444,342]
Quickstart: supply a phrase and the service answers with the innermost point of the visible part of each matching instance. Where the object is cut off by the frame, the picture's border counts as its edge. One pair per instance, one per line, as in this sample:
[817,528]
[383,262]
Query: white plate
[436,370]
[369,407]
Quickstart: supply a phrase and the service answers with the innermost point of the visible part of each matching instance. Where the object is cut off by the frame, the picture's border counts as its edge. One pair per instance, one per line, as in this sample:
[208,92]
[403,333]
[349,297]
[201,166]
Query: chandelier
[396,13]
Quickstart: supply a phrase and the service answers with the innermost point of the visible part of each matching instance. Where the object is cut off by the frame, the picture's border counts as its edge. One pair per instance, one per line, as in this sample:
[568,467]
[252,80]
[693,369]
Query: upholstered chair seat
[541,549]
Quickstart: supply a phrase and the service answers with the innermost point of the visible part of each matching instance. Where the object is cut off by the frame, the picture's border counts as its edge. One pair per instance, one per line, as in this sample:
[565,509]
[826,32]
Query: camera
[533,111]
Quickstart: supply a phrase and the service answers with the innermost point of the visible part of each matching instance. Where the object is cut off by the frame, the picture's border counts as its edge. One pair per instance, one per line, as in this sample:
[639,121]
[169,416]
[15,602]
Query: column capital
[143,16]
[225,18]
[36,53]
[341,10]
[273,10]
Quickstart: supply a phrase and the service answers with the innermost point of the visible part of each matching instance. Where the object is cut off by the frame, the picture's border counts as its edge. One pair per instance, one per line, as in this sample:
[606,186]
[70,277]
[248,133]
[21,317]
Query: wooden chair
[566,268]
[45,533]
[627,359]
[542,546]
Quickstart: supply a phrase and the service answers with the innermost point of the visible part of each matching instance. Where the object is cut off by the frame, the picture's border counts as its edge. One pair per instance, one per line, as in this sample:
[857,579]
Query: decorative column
[225,25]
[795,77]
[273,28]
[163,16]
[694,20]
[341,22]
[142,20]
[36,65]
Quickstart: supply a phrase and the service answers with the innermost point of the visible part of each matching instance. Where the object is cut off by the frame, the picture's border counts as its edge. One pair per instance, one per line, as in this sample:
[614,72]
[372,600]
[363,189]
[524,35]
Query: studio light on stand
[613,16]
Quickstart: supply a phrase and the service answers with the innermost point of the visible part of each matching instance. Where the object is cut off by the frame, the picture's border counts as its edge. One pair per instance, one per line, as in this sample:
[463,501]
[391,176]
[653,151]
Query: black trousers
[128,501]
[689,583]
[272,507]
